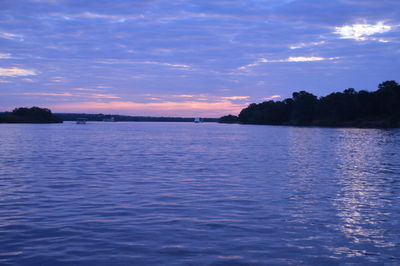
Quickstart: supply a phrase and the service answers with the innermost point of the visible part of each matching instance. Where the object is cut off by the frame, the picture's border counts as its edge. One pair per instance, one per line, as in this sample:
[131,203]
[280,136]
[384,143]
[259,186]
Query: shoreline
[360,125]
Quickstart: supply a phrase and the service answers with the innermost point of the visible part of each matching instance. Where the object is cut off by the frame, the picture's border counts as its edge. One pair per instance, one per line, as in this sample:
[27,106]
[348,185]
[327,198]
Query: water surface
[198,194]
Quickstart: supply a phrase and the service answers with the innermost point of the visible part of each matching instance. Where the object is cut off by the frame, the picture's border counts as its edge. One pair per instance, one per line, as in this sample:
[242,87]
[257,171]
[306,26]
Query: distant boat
[81,120]
[198,120]
[111,119]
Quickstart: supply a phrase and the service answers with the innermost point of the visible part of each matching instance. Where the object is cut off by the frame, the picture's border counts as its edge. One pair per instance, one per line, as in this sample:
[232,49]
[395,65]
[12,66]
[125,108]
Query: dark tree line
[380,108]
[29,115]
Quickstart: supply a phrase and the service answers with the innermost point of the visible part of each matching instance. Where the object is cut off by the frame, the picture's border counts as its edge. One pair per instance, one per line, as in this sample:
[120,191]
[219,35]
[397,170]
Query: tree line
[44,115]
[29,115]
[380,108]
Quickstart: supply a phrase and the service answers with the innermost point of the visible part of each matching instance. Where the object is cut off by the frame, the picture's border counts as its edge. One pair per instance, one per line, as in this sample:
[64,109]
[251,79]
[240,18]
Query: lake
[147,193]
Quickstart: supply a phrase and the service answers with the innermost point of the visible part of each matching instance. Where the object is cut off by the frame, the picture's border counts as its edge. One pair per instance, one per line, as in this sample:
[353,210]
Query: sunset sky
[190,58]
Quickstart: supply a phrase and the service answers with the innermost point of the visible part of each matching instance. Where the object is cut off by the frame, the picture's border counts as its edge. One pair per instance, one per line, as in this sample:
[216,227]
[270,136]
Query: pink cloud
[185,109]
[272,97]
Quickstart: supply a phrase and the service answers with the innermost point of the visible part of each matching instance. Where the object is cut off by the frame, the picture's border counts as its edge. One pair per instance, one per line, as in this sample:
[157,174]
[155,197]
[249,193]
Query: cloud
[16,72]
[361,32]
[155,99]
[93,15]
[63,94]
[292,59]
[166,64]
[104,96]
[11,36]
[85,89]
[187,108]
[236,97]
[185,96]
[28,80]
[58,79]
[272,97]
[256,63]
[146,62]
[305,59]
[5,56]
[303,45]
[207,97]
[103,87]
[71,94]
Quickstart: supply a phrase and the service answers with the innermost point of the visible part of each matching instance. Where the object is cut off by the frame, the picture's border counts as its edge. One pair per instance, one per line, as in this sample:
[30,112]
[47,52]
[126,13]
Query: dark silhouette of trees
[36,112]
[229,119]
[304,107]
[380,108]
[388,97]
[29,115]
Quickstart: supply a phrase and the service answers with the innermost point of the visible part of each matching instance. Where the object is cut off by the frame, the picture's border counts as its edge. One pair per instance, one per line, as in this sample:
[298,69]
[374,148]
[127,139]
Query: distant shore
[37,115]
[127,118]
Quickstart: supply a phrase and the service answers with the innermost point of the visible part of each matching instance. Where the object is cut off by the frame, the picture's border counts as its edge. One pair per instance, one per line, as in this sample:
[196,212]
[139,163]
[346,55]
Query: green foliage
[348,108]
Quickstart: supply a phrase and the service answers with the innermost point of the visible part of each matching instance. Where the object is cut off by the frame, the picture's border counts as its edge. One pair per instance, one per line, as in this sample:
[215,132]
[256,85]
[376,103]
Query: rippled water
[198,194]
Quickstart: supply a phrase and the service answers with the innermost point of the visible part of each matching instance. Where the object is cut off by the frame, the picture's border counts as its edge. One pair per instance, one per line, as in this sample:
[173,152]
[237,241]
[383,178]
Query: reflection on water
[183,193]
[368,175]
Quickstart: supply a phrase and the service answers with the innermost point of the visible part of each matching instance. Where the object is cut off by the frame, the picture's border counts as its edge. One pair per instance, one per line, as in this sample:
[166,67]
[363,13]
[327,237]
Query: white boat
[81,120]
[111,119]
[198,120]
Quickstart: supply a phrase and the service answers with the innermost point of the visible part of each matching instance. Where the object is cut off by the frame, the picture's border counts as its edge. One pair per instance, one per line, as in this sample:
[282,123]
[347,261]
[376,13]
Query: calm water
[198,194]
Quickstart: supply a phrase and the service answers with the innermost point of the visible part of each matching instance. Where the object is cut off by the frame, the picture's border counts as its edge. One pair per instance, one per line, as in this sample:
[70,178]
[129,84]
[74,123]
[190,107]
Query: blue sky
[190,58]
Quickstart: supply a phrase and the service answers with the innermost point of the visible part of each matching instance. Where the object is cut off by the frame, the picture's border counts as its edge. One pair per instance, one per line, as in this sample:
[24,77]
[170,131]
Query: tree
[304,107]
[229,119]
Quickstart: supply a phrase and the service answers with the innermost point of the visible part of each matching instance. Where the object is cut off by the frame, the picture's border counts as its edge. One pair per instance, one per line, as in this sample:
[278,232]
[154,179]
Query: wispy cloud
[28,80]
[11,36]
[306,59]
[71,94]
[362,32]
[207,97]
[85,89]
[93,15]
[236,97]
[103,87]
[104,96]
[185,96]
[16,72]
[60,94]
[146,62]
[303,45]
[5,56]
[166,64]
[292,59]
[272,97]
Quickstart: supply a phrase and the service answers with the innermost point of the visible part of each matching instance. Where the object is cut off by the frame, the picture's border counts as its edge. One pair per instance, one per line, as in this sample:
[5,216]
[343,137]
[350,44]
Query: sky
[188,58]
